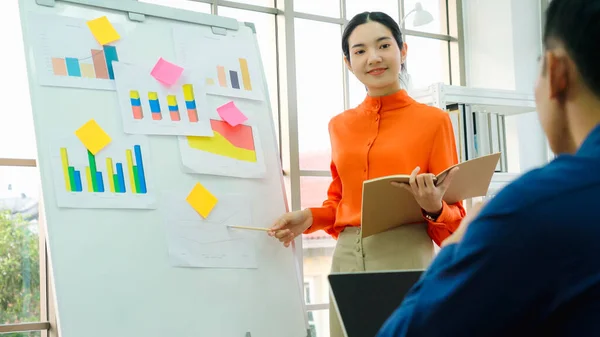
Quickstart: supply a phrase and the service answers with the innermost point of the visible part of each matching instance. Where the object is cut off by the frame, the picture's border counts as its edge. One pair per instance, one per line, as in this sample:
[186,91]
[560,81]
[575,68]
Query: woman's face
[375,58]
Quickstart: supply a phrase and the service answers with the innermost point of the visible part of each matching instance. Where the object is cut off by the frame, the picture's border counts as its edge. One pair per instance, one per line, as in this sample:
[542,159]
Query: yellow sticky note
[103,30]
[92,136]
[201,200]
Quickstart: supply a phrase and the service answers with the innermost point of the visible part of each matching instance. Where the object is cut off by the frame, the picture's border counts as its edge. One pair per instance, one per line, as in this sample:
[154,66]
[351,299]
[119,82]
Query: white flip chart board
[120,155]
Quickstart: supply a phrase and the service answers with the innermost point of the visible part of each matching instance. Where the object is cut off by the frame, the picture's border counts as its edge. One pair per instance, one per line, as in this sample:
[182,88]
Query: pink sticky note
[231,114]
[166,72]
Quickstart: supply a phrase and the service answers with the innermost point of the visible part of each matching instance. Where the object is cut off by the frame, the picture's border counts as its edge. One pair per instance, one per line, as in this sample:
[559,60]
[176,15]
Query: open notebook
[385,206]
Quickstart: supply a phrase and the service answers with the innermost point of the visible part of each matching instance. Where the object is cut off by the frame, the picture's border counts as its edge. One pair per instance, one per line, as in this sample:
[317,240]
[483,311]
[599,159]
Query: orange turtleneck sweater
[383,136]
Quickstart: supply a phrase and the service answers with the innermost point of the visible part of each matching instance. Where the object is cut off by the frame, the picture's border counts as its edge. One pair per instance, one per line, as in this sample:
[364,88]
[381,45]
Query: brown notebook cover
[385,206]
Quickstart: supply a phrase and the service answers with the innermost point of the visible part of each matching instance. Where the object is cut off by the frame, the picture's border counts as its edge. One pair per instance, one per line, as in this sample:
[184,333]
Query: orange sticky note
[103,30]
[202,200]
[93,137]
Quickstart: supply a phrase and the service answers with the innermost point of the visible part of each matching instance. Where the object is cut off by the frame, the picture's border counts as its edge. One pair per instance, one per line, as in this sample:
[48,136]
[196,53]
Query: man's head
[568,88]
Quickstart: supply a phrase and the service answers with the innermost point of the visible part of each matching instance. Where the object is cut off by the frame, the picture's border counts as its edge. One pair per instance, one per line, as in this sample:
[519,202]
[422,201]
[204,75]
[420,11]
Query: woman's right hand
[290,225]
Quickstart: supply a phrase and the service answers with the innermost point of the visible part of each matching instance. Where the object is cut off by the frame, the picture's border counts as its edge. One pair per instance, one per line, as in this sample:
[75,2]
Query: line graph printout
[68,55]
[209,243]
[231,67]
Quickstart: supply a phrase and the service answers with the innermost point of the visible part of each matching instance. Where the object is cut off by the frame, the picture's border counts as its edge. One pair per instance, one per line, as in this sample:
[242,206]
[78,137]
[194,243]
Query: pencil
[251,228]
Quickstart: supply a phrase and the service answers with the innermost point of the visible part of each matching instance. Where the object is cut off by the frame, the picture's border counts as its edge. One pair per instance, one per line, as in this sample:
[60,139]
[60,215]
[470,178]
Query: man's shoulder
[562,181]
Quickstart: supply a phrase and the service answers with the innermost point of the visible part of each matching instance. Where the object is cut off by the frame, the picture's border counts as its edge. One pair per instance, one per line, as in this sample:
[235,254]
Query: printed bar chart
[234,78]
[114,173]
[148,107]
[100,66]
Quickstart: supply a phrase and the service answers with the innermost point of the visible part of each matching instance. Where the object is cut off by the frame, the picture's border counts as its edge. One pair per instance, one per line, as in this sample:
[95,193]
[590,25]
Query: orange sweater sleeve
[443,155]
[324,216]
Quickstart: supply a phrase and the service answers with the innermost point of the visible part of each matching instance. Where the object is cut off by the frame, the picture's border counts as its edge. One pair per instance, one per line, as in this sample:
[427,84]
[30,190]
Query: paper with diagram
[208,243]
[234,151]
[150,107]
[234,71]
[68,55]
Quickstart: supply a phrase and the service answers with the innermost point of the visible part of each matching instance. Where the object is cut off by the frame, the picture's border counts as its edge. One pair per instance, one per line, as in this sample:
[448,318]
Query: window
[354,7]
[20,300]
[319,7]
[265,3]
[427,61]
[16,126]
[311,317]
[436,8]
[320,89]
[21,280]
[182,4]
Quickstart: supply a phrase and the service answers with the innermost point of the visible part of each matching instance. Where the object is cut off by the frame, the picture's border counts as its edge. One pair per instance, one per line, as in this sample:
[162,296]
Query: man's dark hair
[576,25]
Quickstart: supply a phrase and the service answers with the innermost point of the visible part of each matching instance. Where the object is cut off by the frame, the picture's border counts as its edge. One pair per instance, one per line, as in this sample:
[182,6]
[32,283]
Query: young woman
[388,133]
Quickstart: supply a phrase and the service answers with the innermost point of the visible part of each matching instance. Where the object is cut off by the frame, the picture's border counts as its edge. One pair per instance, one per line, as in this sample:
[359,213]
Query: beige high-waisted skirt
[404,247]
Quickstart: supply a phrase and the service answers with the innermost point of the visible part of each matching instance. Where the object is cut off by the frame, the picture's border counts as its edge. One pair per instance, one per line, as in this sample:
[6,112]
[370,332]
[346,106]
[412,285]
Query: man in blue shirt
[529,263]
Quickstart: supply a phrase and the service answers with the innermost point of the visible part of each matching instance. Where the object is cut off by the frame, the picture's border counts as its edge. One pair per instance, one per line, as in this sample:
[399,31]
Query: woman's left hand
[427,194]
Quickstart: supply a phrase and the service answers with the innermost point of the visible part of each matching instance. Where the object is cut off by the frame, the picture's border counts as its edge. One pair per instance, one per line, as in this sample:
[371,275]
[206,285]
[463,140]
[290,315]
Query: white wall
[502,44]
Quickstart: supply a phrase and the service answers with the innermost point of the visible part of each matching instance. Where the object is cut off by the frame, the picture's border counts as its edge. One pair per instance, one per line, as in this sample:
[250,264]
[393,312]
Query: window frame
[47,313]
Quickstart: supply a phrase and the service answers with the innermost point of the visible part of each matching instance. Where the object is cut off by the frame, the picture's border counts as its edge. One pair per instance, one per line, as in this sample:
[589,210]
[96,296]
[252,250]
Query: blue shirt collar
[591,145]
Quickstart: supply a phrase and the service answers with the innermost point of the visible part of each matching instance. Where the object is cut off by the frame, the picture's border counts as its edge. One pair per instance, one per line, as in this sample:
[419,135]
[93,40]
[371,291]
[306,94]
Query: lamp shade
[422,17]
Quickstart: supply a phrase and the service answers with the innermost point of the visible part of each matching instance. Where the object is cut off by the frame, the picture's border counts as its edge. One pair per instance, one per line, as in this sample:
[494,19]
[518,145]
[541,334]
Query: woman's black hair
[381,18]
[576,25]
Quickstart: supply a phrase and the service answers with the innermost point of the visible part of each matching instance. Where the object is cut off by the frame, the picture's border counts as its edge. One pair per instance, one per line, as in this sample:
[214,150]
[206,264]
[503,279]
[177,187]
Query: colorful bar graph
[110,54]
[154,106]
[233,76]
[221,75]
[173,108]
[59,66]
[115,174]
[190,102]
[73,67]
[245,74]
[136,104]
[100,67]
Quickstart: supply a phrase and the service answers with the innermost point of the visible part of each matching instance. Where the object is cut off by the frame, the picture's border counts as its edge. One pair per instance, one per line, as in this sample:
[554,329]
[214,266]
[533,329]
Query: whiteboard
[115,261]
